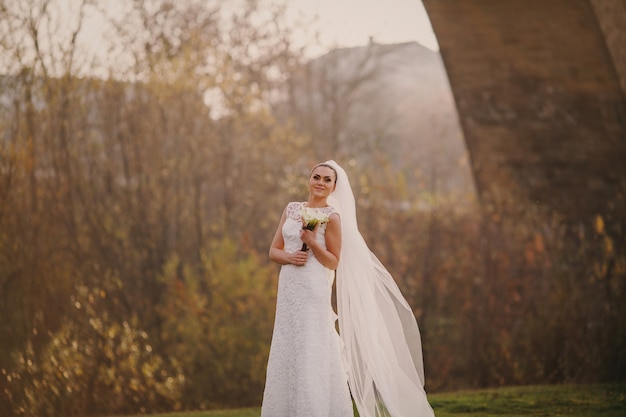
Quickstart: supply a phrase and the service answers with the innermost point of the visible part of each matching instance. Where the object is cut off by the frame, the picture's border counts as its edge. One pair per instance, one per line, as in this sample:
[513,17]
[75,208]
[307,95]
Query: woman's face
[322,181]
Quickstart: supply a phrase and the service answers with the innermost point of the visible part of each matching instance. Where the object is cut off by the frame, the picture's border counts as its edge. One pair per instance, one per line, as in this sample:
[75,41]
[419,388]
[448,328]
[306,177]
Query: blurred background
[148,148]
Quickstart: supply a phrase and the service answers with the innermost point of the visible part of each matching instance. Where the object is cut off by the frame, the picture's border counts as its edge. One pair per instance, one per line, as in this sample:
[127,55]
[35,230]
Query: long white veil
[383,348]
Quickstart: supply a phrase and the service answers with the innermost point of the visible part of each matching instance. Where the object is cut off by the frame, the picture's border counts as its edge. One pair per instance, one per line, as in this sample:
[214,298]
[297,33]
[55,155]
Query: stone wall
[611,15]
[539,98]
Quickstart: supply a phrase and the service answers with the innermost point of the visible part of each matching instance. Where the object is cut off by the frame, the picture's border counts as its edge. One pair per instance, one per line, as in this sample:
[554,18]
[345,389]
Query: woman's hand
[328,257]
[309,236]
[298,258]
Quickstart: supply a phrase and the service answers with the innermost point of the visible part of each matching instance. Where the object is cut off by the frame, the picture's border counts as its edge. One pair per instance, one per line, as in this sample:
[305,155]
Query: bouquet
[311,218]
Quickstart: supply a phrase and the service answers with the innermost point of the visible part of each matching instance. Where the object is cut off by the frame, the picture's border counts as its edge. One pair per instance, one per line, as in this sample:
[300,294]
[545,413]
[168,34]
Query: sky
[345,23]
[340,23]
[352,22]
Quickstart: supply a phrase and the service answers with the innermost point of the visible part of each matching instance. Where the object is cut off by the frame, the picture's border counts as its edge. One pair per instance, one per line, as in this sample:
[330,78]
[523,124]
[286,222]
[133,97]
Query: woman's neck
[316,203]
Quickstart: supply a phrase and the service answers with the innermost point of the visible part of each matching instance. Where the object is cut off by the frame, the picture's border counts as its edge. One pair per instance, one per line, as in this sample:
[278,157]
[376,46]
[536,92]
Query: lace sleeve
[293,210]
[330,210]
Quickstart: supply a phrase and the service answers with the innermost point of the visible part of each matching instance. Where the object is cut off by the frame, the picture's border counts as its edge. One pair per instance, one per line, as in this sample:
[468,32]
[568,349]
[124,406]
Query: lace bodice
[293,225]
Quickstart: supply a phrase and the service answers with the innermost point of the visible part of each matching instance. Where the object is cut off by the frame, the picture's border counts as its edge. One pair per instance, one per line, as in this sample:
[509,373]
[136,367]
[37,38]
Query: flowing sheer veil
[382,344]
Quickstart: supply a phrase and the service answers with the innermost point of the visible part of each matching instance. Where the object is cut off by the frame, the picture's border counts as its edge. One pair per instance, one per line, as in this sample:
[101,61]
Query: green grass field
[536,401]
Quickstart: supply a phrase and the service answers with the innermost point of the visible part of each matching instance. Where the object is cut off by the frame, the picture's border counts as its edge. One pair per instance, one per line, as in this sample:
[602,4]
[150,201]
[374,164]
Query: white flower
[313,217]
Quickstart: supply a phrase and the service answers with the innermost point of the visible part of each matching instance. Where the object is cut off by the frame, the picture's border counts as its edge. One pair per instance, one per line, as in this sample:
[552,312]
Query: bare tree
[330,99]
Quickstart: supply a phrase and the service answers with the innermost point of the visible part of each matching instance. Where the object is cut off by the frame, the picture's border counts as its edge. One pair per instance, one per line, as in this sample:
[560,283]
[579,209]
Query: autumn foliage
[135,223]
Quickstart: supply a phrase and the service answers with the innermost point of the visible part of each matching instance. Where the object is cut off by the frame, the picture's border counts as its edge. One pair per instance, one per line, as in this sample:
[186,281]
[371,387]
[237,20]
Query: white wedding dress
[305,372]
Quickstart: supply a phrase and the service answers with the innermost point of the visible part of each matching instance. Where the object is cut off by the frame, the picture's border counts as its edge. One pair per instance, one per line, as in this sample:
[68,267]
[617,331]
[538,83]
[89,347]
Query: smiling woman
[378,350]
[305,373]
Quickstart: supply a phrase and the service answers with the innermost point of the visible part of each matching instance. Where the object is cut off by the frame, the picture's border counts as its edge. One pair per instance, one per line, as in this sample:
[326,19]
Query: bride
[377,355]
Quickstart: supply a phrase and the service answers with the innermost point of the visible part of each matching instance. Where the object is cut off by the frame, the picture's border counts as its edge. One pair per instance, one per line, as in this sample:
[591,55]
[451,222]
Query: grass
[536,401]
[527,401]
